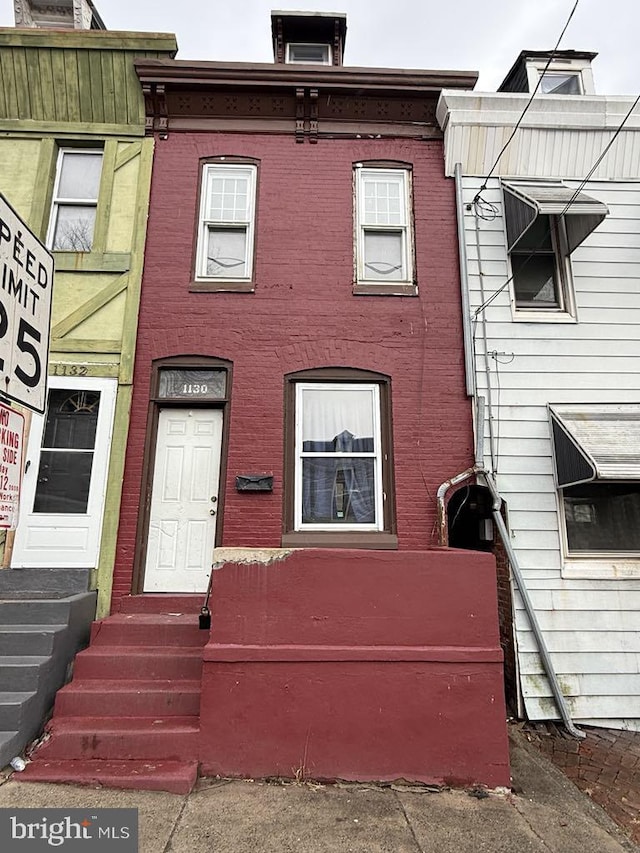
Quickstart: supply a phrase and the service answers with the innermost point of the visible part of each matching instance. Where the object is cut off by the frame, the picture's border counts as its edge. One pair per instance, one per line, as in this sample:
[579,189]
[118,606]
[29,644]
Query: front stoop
[40,632]
[130,717]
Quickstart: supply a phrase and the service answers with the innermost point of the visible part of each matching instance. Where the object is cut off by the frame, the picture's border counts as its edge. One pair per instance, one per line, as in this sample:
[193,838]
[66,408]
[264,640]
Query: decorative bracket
[306,115]
[155,107]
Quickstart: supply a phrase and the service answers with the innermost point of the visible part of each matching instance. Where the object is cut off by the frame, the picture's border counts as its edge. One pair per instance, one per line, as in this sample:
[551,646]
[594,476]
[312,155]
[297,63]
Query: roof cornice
[196,74]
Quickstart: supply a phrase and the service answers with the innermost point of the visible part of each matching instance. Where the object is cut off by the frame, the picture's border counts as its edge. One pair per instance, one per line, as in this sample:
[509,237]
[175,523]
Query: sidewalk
[547,815]
[605,765]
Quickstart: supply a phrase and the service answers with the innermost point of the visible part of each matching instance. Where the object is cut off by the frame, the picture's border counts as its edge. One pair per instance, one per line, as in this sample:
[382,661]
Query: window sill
[524,316]
[222,287]
[370,289]
[329,539]
[607,568]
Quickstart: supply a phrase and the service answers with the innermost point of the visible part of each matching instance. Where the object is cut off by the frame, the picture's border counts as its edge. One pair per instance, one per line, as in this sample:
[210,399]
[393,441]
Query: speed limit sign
[26,281]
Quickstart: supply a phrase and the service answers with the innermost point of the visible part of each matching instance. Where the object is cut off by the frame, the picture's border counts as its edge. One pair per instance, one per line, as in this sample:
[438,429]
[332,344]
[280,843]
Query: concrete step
[57,581]
[139,698]
[36,611]
[152,629]
[21,672]
[161,603]
[10,746]
[29,639]
[177,777]
[129,662]
[122,738]
[15,708]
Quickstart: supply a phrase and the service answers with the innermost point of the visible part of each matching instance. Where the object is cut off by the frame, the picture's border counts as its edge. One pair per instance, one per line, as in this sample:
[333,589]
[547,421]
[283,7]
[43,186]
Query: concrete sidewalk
[546,815]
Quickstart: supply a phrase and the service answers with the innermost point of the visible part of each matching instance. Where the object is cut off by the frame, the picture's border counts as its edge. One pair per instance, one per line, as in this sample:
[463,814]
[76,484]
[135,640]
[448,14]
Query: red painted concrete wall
[356,665]
[302,315]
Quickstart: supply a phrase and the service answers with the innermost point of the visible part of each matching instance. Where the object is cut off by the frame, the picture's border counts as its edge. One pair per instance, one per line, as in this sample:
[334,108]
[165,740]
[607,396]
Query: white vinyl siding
[588,609]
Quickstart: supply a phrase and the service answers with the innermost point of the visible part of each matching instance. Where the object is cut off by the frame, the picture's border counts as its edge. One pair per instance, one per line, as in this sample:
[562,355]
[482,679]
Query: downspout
[479,469]
[547,664]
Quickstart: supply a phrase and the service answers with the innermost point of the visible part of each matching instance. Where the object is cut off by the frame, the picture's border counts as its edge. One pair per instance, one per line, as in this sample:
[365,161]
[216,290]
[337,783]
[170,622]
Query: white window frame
[290,50]
[300,454]
[580,67]
[557,72]
[404,227]
[59,201]
[565,310]
[210,170]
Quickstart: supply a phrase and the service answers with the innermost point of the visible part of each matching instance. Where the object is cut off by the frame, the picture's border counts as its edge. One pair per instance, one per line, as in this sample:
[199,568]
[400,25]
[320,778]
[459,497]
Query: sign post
[26,283]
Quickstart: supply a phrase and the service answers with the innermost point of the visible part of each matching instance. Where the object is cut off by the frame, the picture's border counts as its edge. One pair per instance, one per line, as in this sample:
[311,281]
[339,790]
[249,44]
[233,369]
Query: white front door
[63,491]
[182,523]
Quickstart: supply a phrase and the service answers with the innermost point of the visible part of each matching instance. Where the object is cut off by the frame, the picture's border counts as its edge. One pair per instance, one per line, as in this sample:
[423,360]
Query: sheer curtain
[339,443]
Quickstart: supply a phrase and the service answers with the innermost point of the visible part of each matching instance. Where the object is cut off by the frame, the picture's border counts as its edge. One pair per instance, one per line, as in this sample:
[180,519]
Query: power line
[576,193]
[529,102]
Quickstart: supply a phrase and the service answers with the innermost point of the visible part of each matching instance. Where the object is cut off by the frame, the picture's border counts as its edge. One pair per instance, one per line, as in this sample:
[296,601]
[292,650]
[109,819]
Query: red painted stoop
[130,717]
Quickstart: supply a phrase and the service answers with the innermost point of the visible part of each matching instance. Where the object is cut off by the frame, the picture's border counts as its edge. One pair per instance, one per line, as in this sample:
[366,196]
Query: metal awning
[595,442]
[524,201]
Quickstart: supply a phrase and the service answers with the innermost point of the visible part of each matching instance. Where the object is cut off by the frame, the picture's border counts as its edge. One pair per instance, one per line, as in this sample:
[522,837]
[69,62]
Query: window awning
[595,442]
[524,201]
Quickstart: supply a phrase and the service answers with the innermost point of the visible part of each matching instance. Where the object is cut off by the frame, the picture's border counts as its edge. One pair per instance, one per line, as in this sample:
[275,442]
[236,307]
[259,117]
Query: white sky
[480,35]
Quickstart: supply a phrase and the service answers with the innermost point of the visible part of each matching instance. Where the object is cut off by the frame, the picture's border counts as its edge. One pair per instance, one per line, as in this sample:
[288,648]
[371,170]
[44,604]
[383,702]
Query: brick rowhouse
[305,131]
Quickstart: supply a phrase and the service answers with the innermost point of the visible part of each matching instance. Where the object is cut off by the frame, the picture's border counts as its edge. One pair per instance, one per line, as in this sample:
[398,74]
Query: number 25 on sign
[26,280]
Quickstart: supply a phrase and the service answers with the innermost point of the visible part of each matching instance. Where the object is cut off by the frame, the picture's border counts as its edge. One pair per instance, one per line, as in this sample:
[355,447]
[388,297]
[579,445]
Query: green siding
[71,88]
[61,78]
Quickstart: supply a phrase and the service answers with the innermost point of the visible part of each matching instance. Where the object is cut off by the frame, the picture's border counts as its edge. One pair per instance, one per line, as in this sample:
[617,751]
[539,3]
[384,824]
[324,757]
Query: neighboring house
[76,165]
[298,399]
[552,249]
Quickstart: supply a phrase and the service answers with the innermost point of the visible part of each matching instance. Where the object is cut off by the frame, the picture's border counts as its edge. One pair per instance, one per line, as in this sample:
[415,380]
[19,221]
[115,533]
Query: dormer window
[316,54]
[561,83]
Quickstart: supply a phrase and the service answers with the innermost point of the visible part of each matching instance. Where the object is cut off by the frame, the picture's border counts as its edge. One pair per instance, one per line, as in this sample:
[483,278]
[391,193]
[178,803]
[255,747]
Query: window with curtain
[338,477]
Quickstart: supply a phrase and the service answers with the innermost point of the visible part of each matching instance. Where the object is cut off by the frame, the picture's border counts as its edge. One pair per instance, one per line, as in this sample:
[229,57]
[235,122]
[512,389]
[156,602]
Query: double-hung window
[75,200]
[338,457]
[384,238]
[227,222]
[338,484]
[540,268]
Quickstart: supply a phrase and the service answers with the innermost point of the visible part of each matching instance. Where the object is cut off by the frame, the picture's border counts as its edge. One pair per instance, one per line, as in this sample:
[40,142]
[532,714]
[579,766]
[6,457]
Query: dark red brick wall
[302,315]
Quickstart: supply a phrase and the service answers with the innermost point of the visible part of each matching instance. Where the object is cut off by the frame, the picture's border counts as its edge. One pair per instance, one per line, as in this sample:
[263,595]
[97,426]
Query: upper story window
[75,199]
[227,223]
[302,52]
[545,222]
[540,267]
[561,83]
[384,226]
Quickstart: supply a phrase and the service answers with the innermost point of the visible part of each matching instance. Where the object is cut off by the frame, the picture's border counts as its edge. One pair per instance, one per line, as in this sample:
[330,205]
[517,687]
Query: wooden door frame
[157,403]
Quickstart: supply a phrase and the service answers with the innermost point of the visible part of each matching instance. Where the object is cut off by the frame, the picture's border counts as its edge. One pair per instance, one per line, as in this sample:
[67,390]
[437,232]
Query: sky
[477,35]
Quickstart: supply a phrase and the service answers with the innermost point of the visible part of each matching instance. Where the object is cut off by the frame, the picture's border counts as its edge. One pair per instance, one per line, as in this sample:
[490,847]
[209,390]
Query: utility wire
[576,193]
[529,102]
